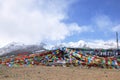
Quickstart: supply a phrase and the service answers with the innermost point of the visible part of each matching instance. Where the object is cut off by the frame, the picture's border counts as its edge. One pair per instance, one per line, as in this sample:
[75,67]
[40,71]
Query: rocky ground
[57,73]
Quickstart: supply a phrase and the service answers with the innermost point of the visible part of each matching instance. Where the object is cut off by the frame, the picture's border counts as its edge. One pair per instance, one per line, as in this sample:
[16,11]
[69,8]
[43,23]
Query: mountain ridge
[15,48]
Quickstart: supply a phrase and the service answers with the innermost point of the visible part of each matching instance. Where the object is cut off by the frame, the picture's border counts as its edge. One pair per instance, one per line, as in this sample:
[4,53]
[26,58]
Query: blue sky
[85,12]
[56,21]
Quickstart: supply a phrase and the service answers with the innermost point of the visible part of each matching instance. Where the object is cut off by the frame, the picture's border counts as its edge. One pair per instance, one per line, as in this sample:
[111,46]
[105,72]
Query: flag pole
[117,40]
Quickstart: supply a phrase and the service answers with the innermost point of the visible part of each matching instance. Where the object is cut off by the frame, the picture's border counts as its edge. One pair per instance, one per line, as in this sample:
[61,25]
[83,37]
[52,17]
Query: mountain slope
[16,48]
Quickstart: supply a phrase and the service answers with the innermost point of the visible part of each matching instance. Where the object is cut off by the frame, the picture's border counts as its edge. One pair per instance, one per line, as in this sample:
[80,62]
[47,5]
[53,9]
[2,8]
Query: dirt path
[57,73]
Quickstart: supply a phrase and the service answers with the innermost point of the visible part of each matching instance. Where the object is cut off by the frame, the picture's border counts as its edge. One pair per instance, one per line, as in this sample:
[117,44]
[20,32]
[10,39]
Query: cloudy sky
[58,21]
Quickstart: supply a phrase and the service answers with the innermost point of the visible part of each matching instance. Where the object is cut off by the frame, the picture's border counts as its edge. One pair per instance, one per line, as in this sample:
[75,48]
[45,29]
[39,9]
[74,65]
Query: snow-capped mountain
[10,47]
[92,44]
[19,47]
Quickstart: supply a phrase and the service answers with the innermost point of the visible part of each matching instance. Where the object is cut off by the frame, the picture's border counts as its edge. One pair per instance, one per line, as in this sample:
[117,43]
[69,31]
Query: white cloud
[102,21]
[106,24]
[116,28]
[31,21]
[75,27]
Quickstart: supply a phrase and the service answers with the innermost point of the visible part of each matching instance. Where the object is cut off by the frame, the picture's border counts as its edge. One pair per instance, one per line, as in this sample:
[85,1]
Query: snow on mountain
[110,44]
[92,44]
[80,44]
[14,46]
[10,47]
[102,44]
